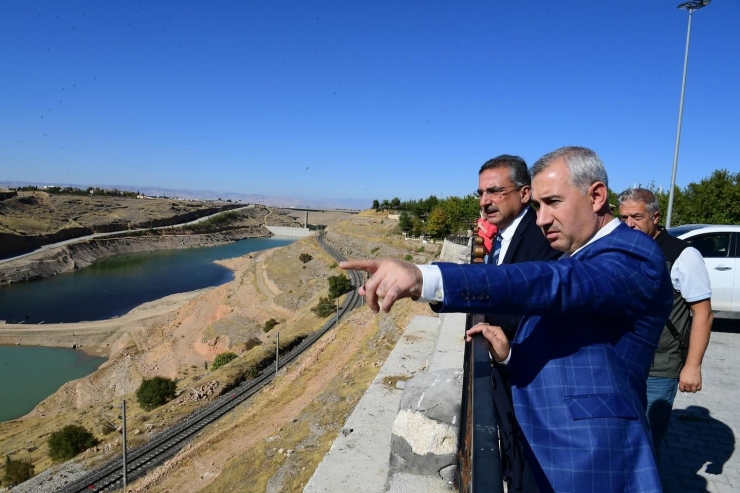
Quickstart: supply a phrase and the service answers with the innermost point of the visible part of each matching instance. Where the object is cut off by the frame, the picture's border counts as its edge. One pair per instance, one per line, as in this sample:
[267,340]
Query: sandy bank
[92,337]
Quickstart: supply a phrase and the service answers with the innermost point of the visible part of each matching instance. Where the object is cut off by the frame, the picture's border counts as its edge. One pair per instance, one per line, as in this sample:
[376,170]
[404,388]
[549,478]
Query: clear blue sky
[359,100]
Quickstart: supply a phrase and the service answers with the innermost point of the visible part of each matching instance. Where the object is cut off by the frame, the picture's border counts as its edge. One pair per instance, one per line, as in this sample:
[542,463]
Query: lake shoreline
[99,351]
[94,337]
[76,256]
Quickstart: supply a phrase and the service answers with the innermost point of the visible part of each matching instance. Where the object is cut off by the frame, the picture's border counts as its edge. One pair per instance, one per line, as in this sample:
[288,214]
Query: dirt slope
[177,336]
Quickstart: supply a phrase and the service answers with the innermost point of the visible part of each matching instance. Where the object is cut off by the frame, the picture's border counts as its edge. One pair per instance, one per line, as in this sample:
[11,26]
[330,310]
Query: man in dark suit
[592,320]
[504,192]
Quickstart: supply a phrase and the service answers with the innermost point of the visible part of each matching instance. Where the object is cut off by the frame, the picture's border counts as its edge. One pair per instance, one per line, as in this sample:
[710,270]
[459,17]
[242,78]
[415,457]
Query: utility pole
[691,5]
[123,429]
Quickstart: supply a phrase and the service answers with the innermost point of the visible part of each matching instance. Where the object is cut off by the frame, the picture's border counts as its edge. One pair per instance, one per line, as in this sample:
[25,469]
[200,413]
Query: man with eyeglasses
[504,192]
[592,320]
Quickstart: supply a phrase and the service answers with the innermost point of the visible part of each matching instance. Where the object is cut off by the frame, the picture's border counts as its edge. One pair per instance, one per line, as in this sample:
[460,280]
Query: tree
[338,285]
[324,308]
[714,200]
[395,203]
[155,391]
[70,441]
[385,204]
[221,359]
[17,471]
[270,324]
[404,222]
[376,205]
[438,223]
[304,257]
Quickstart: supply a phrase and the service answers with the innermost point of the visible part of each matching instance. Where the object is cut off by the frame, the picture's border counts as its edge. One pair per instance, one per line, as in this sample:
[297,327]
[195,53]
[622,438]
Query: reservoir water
[114,286]
[106,289]
[31,374]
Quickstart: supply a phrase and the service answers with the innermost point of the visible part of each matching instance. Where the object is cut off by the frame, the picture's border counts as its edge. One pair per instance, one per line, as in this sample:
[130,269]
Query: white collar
[608,228]
[508,232]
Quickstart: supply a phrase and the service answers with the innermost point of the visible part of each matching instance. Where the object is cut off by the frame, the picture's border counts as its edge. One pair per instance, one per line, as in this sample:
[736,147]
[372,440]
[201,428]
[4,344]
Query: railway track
[166,444]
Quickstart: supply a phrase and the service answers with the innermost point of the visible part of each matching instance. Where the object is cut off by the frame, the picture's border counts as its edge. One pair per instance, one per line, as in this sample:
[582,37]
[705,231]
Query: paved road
[101,235]
[700,453]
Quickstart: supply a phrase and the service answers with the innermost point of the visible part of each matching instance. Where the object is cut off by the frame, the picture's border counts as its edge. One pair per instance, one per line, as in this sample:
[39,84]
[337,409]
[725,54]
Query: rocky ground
[33,219]
[273,442]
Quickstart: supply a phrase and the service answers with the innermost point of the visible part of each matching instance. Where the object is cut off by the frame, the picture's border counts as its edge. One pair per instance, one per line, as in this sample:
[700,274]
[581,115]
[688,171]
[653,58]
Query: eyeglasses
[495,192]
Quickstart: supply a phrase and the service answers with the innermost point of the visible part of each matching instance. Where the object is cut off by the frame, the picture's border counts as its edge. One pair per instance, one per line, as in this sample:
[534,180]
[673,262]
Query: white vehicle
[719,245]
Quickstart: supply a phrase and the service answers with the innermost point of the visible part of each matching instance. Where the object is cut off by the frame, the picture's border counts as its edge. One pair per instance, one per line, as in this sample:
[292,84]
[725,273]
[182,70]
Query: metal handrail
[479,458]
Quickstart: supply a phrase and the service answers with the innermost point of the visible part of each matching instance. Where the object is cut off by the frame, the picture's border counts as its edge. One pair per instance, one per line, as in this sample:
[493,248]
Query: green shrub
[325,307]
[373,250]
[338,285]
[270,324]
[70,441]
[333,265]
[17,471]
[408,257]
[222,359]
[155,391]
[420,249]
[252,372]
[304,257]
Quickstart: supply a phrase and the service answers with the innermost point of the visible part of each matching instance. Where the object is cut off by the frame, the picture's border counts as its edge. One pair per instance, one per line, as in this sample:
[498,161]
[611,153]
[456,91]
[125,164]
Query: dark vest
[673,345]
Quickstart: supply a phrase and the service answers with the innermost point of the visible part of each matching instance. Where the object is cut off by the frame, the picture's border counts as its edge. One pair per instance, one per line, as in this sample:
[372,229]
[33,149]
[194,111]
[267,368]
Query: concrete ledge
[358,461]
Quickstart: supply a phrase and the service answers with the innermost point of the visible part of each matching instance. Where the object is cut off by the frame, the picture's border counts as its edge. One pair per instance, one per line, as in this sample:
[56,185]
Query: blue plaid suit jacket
[580,357]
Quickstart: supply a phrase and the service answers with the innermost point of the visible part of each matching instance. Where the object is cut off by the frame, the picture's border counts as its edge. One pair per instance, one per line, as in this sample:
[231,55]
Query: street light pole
[123,430]
[691,6]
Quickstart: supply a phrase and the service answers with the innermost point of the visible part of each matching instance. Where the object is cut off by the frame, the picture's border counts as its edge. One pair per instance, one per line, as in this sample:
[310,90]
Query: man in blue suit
[581,356]
[504,194]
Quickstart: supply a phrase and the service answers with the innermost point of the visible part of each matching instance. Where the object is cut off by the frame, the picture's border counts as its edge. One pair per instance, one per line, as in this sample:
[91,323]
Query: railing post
[479,457]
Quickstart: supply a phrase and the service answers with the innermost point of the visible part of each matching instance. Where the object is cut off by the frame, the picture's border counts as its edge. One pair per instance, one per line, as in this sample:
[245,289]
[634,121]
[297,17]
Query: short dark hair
[518,172]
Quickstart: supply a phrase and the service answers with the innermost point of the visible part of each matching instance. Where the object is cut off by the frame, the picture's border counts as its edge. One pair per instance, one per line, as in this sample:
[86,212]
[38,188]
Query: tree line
[108,192]
[713,200]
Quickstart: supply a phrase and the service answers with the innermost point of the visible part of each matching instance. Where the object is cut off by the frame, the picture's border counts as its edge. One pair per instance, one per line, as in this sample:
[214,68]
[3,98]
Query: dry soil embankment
[278,438]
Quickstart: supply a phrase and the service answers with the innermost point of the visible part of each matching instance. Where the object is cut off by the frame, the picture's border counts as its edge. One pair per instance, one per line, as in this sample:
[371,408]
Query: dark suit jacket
[527,244]
[581,356]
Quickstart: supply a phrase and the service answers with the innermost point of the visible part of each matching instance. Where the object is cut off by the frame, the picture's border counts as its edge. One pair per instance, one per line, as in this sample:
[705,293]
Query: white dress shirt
[432,289]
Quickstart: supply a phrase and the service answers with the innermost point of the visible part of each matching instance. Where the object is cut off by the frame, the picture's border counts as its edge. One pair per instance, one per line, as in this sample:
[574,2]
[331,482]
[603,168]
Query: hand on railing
[498,343]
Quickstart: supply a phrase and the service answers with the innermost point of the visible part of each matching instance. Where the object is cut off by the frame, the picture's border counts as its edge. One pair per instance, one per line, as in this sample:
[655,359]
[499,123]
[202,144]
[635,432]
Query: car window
[715,245]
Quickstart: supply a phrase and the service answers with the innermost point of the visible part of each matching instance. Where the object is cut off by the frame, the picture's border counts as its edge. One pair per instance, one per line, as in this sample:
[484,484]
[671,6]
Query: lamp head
[694,4]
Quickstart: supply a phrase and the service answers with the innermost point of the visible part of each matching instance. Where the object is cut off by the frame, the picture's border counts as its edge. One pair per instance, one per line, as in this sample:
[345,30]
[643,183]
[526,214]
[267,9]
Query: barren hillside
[273,442]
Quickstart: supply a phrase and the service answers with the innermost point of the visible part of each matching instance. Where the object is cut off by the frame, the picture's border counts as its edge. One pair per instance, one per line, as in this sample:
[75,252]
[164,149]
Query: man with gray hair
[684,340]
[592,320]
[504,193]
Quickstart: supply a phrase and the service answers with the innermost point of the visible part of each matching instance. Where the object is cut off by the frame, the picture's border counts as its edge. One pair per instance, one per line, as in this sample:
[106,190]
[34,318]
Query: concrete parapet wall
[452,252]
[424,441]
[359,458]
[290,232]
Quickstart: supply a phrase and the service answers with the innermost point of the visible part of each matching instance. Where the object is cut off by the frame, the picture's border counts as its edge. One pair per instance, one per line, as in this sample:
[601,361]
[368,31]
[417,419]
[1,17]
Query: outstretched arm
[390,281]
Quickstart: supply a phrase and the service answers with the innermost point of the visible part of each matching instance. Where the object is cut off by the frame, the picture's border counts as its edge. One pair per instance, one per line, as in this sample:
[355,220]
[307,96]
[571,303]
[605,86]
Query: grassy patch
[392,380]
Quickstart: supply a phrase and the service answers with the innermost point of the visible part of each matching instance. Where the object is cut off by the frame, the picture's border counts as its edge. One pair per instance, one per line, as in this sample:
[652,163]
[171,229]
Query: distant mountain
[316,203]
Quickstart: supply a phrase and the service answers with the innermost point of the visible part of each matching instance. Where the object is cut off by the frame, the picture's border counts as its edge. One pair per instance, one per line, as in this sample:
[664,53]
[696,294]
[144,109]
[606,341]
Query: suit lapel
[517,238]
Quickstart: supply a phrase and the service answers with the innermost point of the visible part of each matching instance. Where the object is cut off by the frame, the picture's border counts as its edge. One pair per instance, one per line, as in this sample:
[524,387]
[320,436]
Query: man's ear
[599,195]
[525,194]
[656,217]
